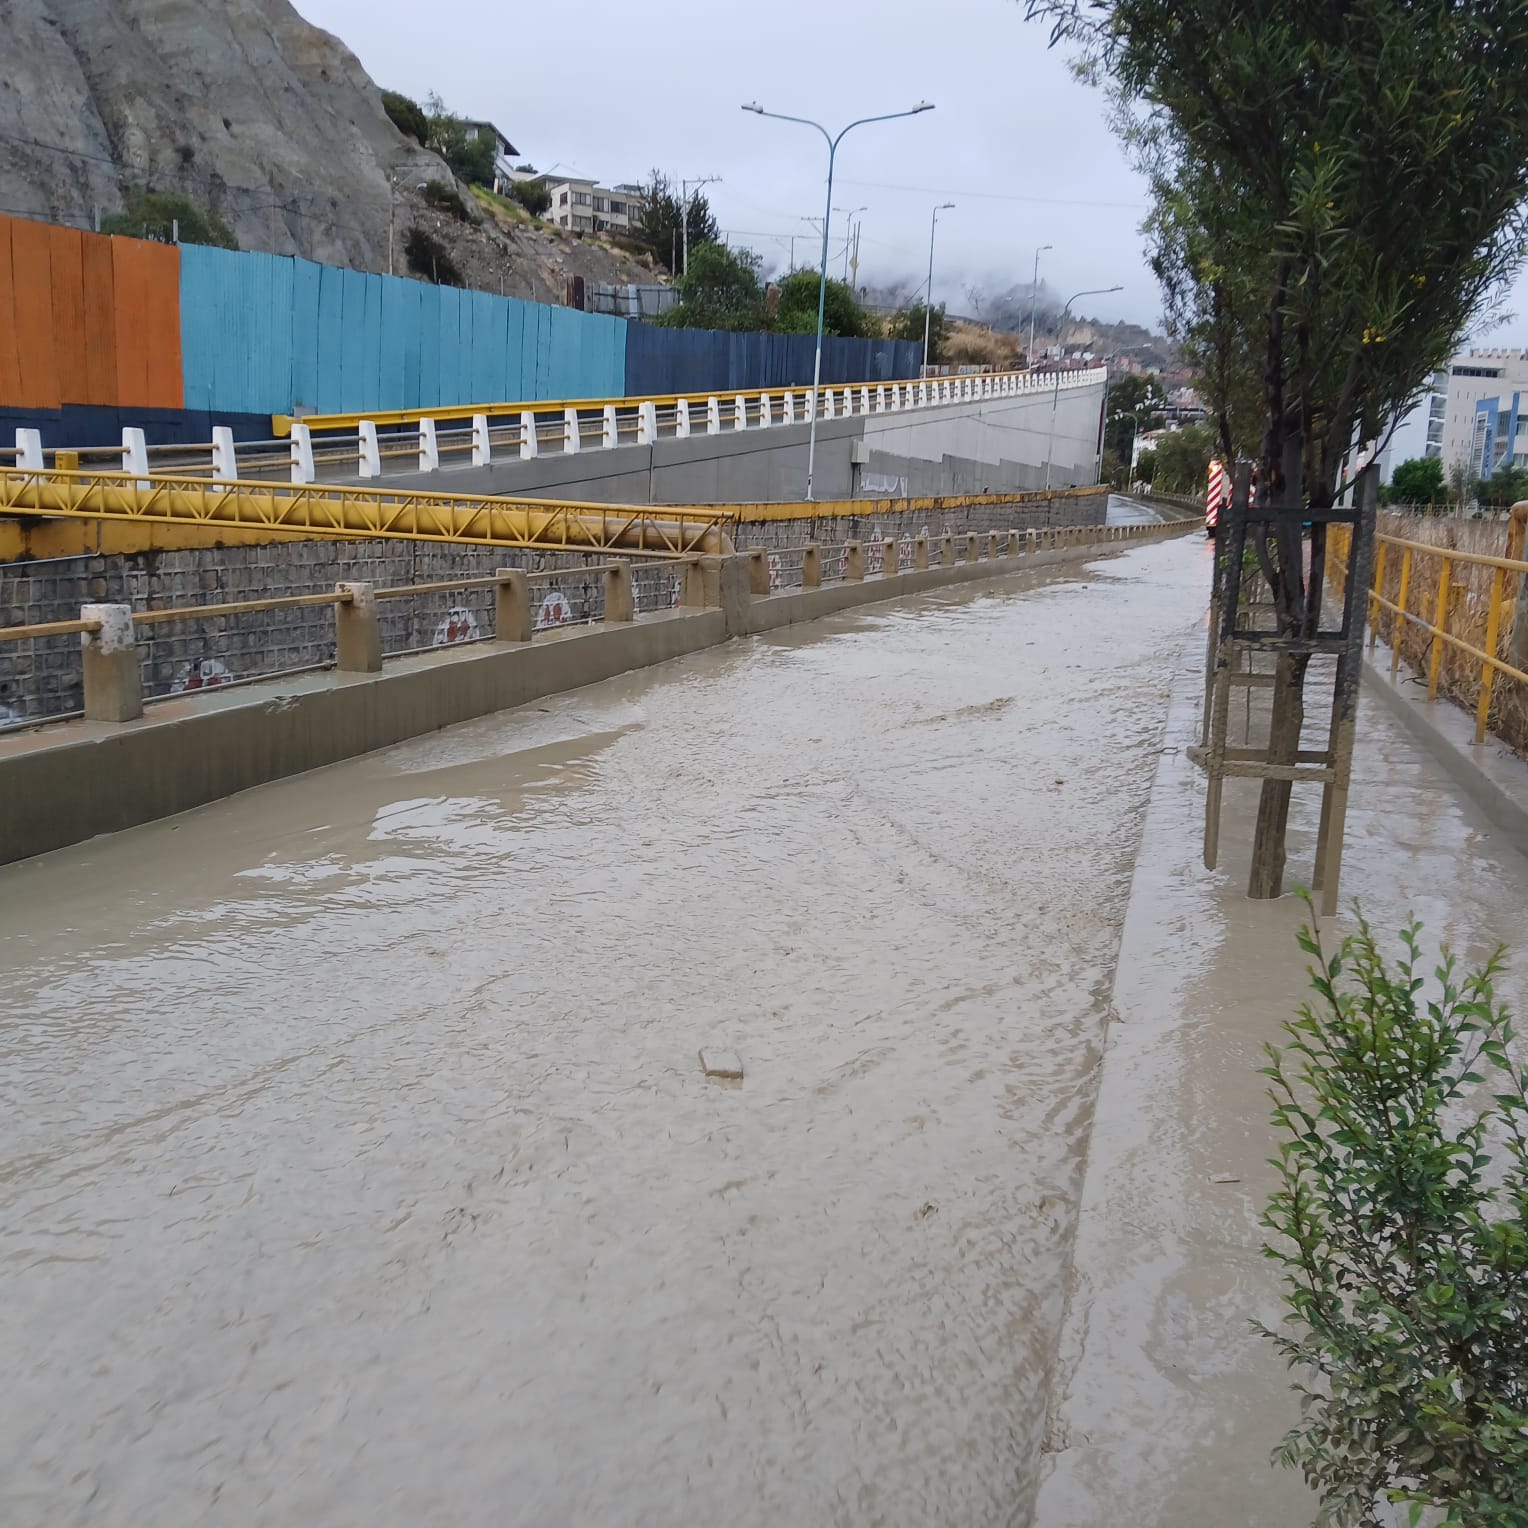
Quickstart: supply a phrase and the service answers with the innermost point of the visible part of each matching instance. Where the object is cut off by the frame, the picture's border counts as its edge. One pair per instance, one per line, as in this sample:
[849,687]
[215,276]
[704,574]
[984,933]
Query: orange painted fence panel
[86,319]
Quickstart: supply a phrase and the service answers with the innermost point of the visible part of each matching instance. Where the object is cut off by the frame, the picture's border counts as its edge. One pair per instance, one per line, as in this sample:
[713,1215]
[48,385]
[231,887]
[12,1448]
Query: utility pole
[684,209]
[1034,299]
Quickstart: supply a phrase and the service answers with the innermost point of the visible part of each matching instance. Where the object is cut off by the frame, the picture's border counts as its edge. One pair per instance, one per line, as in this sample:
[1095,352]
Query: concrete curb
[1489,774]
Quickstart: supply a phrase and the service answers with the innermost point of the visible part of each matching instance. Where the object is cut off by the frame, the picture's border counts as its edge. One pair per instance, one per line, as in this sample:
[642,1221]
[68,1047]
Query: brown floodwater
[356,1162]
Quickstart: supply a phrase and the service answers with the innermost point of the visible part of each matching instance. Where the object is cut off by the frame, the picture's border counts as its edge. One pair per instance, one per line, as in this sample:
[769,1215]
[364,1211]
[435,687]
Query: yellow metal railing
[1448,616]
[337,511]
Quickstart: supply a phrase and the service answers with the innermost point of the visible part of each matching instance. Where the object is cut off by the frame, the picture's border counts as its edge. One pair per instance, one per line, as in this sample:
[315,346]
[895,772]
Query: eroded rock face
[252,111]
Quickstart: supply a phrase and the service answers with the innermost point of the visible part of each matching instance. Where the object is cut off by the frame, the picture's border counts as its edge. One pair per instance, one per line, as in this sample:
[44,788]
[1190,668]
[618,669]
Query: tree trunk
[1288,717]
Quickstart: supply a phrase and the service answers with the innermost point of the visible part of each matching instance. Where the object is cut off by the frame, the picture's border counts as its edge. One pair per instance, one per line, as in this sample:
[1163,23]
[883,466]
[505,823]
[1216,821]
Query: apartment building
[1480,417]
[585,206]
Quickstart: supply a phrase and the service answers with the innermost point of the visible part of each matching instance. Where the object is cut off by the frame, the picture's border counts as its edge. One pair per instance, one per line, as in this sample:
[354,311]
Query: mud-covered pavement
[356,1165]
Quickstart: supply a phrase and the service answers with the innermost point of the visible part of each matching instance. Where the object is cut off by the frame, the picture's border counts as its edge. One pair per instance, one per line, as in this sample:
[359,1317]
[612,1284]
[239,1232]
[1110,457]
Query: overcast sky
[612,90]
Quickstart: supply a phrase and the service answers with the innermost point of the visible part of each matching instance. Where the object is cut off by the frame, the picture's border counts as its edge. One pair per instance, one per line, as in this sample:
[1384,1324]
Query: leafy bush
[445,198]
[797,312]
[1145,466]
[430,259]
[157,214]
[532,195]
[1404,1244]
[407,116]
[720,290]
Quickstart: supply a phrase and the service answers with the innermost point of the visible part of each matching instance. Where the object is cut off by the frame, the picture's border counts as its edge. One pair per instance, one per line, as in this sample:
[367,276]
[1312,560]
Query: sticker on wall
[459,625]
[554,610]
[201,674]
[875,555]
[776,576]
[905,557]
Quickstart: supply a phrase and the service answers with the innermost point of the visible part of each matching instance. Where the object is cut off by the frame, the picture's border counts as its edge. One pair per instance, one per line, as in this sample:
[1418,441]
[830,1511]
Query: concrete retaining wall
[76,779]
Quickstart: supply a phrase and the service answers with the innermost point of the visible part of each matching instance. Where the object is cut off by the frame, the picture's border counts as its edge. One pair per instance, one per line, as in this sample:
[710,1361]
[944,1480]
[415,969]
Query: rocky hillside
[250,110]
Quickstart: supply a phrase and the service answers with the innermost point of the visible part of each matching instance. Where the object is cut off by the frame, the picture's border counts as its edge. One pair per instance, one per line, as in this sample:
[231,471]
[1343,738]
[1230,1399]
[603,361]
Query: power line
[994,196]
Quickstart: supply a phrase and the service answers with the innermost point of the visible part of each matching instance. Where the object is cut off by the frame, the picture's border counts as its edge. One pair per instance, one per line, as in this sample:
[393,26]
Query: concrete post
[947,551]
[619,604]
[880,398]
[811,567]
[920,554]
[513,618]
[766,412]
[864,400]
[482,444]
[357,631]
[790,408]
[1031,543]
[368,450]
[572,438]
[225,459]
[991,545]
[429,447]
[854,562]
[302,454]
[973,548]
[758,572]
[693,594]
[113,685]
[529,445]
[609,434]
[889,559]
[713,417]
[740,413]
[647,422]
[682,419]
[1013,543]
[29,449]
[135,453]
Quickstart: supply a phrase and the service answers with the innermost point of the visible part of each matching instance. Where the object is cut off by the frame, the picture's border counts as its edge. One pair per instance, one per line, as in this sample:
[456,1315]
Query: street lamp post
[928,293]
[849,213]
[684,210]
[1050,450]
[822,275]
[1034,299]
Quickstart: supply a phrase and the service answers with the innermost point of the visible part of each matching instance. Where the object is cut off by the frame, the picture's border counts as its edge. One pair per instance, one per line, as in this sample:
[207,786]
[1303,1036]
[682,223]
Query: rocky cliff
[252,111]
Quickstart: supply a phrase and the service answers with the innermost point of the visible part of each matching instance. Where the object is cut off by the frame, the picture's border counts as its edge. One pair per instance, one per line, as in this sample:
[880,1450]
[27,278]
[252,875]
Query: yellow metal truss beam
[170,512]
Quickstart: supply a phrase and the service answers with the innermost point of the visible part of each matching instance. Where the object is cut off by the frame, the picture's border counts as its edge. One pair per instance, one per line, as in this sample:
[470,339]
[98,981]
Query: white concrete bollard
[827,409]
[880,399]
[530,446]
[766,416]
[682,419]
[740,413]
[864,400]
[713,416]
[572,440]
[135,454]
[609,435]
[29,450]
[368,452]
[302,453]
[482,442]
[790,408]
[225,460]
[113,682]
[429,446]
[647,422]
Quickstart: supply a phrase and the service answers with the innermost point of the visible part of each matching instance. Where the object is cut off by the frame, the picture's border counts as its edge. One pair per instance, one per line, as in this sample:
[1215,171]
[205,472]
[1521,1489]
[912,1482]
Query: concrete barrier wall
[69,782]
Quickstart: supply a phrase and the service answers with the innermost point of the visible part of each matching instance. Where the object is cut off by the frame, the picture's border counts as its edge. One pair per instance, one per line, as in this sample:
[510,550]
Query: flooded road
[356,1164]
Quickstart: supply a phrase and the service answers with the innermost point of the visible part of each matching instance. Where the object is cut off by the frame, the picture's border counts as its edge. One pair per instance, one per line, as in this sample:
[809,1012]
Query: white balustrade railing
[566,427]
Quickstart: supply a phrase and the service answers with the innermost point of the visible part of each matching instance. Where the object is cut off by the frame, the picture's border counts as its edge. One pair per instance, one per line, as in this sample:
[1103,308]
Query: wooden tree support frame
[1236,644]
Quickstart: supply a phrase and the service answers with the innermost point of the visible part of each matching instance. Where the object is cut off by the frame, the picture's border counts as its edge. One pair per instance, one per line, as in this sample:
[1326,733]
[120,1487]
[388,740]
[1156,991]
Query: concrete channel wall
[76,779]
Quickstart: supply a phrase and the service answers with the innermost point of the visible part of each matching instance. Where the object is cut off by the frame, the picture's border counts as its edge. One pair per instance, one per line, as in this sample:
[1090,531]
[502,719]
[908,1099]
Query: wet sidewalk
[1166,1405]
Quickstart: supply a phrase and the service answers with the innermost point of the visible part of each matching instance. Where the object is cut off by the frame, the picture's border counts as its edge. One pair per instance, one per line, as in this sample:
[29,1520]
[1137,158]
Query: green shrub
[445,198]
[407,116]
[430,259]
[1402,1227]
[532,195]
[158,214]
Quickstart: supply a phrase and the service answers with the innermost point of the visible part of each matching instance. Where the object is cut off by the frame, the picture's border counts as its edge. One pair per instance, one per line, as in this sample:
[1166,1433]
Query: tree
[471,159]
[907,324]
[1181,463]
[1134,405]
[407,116]
[1146,467]
[1418,481]
[1505,486]
[661,221]
[161,214]
[797,310]
[533,195]
[1460,484]
[720,290]
[1335,195]
[1401,1224]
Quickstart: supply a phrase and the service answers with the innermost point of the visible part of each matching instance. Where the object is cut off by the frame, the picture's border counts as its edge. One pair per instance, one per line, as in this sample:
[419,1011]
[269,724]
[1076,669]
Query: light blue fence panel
[307,281]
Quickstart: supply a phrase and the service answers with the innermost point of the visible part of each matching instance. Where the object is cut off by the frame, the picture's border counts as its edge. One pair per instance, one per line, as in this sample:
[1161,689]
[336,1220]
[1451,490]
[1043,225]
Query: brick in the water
[721,1063]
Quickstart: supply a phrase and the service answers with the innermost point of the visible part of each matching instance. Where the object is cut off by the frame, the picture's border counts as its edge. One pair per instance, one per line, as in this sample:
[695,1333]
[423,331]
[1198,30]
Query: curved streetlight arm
[1061,349]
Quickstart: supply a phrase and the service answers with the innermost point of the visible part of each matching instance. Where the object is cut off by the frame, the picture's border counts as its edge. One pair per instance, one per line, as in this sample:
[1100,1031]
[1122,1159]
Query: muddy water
[356,1166]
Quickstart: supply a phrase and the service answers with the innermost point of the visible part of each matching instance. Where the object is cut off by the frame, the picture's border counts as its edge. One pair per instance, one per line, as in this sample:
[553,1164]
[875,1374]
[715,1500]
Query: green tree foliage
[156,215]
[471,159]
[1181,461]
[532,195]
[407,115]
[444,198]
[429,259]
[1146,467]
[842,313]
[1336,195]
[720,290]
[1418,481]
[907,324]
[1135,404]
[660,221]
[1505,486]
[1401,1224]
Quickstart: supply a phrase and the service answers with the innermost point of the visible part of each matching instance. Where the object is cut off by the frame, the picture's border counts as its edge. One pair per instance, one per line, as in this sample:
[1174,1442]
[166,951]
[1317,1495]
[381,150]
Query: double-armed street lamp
[822,276]
[1050,450]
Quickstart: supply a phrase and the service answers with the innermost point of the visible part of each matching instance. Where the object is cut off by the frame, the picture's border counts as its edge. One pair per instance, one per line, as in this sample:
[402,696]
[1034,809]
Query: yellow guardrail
[1449,610]
[323,511]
